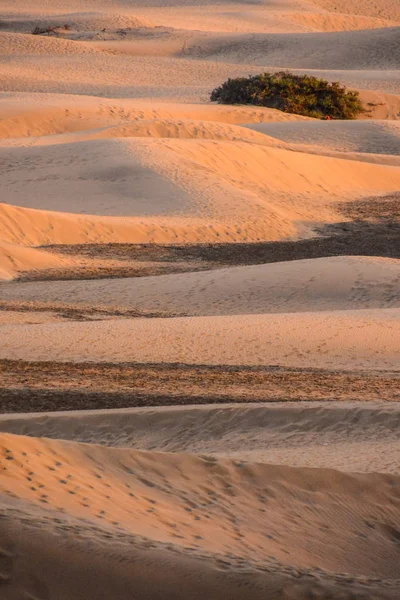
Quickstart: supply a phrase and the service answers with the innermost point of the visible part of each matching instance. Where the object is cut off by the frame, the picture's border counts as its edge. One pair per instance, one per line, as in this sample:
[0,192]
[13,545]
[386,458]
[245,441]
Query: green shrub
[301,94]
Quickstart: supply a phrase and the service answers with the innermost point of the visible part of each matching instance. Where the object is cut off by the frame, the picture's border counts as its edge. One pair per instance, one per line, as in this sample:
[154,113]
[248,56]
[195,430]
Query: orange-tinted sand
[111,158]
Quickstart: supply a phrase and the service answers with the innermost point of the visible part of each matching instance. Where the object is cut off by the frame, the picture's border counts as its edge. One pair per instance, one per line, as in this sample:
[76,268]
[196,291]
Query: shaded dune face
[199,304]
[306,434]
[334,283]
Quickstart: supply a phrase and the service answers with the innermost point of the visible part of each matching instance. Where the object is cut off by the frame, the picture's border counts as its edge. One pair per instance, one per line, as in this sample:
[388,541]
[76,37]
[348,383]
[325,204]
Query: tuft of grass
[299,94]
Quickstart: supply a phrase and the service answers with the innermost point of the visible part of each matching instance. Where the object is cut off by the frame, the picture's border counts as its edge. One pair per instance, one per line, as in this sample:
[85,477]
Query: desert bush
[300,94]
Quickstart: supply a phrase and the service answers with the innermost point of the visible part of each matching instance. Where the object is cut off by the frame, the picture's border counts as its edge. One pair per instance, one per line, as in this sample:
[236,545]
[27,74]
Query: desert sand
[199,304]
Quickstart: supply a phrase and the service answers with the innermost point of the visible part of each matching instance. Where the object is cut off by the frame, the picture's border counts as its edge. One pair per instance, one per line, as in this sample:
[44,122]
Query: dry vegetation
[299,94]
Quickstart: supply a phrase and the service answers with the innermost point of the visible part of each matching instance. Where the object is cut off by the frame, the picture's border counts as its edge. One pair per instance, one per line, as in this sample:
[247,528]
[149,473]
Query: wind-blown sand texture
[199,304]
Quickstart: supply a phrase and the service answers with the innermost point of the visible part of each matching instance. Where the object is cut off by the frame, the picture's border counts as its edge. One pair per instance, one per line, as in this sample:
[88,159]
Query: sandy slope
[337,283]
[382,8]
[231,510]
[139,177]
[107,135]
[175,170]
[363,339]
[356,436]
[193,187]
[162,182]
[38,115]
[14,258]
[377,137]
[63,66]
[184,191]
[178,63]
[268,15]
[27,115]
[343,50]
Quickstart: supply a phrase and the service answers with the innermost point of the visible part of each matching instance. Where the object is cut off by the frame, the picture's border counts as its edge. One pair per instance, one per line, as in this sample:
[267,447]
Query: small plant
[300,94]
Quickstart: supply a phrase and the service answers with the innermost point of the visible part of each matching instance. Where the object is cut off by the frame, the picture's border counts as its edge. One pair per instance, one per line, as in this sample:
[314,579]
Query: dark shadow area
[53,386]
[347,238]
[371,227]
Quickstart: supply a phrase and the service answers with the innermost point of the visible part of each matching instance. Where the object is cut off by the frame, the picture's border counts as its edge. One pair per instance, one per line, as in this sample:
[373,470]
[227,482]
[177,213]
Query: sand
[359,339]
[199,304]
[374,137]
[203,508]
[343,435]
[323,284]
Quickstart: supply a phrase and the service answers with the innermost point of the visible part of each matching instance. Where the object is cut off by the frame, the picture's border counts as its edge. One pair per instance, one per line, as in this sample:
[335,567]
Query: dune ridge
[126,483]
[188,207]
[337,283]
[343,435]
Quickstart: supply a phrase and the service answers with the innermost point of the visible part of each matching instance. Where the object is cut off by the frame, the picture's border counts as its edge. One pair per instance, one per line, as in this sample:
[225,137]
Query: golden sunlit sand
[199,304]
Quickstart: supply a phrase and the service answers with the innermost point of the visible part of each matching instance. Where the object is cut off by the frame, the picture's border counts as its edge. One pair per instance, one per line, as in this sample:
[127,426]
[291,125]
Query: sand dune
[355,50]
[376,137]
[44,117]
[166,216]
[37,227]
[15,44]
[343,50]
[14,259]
[169,128]
[221,507]
[150,76]
[27,115]
[382,8]
[363,339]
[211,183]
[271,16]
[85,23]
[171,71]
[337,283]
[139,169]
[346,436]
[178,179]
